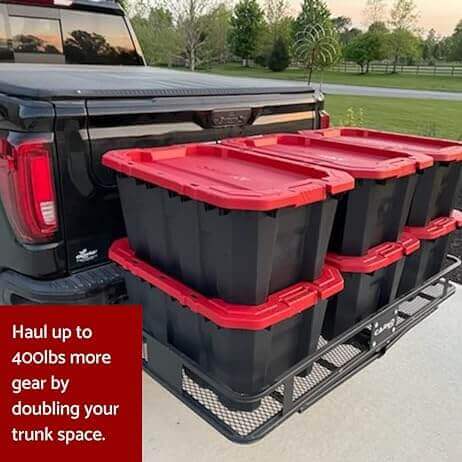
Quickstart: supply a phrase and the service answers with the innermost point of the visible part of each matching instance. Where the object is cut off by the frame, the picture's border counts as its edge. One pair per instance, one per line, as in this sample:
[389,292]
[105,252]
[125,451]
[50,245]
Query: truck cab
[67,32]
[74,85]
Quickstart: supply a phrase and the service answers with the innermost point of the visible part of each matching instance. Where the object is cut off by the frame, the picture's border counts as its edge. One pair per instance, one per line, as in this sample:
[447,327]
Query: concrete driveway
[404,407]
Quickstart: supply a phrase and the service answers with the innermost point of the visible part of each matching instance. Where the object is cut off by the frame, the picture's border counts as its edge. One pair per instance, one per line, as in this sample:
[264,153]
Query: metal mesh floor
[244,423]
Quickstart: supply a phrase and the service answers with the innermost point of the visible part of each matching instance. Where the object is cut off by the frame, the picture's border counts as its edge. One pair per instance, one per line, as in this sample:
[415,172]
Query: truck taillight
[27,188]
[324,120]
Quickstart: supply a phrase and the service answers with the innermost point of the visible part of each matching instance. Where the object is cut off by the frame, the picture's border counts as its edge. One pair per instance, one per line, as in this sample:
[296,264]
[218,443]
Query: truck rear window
[74,37]
[36,35]
[97,39]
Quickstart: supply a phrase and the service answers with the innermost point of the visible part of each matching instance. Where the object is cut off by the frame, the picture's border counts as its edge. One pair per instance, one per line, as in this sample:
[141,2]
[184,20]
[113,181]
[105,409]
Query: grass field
[405,81]
[422,117]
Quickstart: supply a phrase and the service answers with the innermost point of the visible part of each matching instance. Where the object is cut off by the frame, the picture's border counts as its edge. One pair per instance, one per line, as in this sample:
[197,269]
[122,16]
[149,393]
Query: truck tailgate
[87,128]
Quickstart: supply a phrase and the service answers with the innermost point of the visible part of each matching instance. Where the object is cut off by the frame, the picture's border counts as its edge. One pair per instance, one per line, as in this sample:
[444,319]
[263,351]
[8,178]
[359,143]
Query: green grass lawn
[422,117]
[406,81]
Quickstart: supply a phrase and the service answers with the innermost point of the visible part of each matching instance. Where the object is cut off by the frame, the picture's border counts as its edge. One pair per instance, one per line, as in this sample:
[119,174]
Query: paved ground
[335,89]
[405,407]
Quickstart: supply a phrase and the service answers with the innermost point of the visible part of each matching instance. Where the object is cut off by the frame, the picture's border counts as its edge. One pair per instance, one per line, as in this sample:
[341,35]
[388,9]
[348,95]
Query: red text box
[70,380]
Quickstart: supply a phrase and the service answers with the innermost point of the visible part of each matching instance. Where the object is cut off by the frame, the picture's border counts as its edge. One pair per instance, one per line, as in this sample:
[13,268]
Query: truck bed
[49,81]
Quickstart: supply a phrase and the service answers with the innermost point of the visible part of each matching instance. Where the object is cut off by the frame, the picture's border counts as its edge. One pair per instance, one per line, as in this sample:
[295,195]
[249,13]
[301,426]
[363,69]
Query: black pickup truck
[73,85]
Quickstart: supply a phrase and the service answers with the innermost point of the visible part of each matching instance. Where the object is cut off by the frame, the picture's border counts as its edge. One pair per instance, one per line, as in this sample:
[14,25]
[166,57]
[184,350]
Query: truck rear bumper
[101,285]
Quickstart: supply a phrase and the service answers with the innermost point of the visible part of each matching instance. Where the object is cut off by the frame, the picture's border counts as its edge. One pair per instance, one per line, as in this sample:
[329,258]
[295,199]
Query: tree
[314,12]
[346,33]
[403,15]
[191,26]
[341,24]
[378,27]
[431,50]
[246,24]
[346,37]
[455,43]
[403,42]
[157,34]
[276,14]
[366,48]
[278,24]
[374,11]
[217,26]
[445,48]
[279,57]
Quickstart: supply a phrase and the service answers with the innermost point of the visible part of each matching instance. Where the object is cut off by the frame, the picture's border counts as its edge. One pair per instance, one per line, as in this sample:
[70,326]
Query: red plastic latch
[329,283]
[377,258]
[451,154]
[439,227]
[410,243]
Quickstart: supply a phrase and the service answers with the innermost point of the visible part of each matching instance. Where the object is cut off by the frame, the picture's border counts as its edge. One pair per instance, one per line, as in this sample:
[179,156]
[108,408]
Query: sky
[442,15]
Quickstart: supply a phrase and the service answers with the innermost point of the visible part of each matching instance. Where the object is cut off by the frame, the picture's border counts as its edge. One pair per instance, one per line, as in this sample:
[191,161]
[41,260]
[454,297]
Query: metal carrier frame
[333,363]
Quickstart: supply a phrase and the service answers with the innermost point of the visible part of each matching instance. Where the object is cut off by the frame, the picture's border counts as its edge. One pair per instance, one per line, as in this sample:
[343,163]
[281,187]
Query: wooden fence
[383,68]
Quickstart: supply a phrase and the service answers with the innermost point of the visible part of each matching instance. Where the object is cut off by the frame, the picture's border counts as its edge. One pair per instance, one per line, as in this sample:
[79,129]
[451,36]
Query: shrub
[279,57]
[353,118]
[261,60]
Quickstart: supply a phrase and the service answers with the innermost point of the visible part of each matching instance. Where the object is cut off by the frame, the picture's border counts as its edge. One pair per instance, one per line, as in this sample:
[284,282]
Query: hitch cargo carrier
[333,363]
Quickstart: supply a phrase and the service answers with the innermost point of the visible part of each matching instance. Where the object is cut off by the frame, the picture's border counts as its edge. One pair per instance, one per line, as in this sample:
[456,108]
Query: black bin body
[425,263]
[373,213]
[364,295]
[371,283]
[238,256]
[436,193]
[430,259]
[246,361]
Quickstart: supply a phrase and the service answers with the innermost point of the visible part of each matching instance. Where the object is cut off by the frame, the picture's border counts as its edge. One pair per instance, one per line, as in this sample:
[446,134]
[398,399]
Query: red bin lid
[377,258]
[439,149]
[439,227]
[229,178]
[363,162]
[279,306]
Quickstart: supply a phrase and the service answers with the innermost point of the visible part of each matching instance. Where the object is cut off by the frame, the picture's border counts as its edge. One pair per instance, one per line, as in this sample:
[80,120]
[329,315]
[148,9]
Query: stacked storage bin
[371,282]
[429,260]
[400,179]
[430,217]
[436,190]
[365,243]
[225,252]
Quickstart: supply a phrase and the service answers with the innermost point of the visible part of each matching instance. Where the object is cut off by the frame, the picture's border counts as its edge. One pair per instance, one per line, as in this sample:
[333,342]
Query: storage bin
[232,224]
[377,209]
[371,283]
[430,258]
[437,186]
[241,347]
